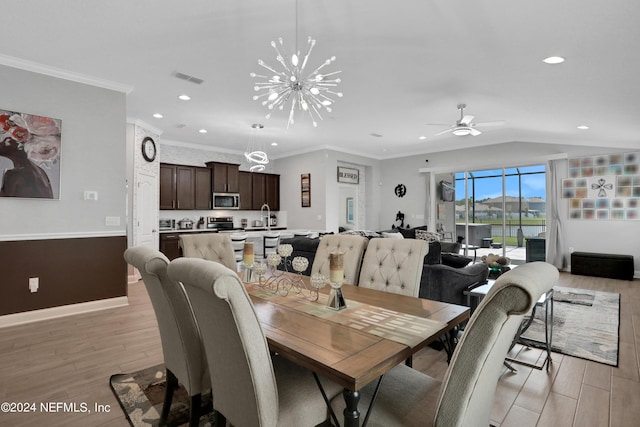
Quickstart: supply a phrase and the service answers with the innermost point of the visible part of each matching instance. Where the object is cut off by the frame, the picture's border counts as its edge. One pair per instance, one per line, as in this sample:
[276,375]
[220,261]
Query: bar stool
[270,243]
[237,242]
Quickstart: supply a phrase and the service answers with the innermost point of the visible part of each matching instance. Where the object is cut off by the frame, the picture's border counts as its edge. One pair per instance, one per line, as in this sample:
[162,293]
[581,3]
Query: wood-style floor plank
[71,359]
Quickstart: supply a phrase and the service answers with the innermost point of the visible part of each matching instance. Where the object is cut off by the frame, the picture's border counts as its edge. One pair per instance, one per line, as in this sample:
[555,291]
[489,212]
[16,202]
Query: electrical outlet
[34,284]
[571,249]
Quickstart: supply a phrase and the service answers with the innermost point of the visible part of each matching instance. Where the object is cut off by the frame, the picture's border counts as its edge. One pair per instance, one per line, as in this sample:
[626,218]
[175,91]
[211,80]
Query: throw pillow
[429,236]
[388,235]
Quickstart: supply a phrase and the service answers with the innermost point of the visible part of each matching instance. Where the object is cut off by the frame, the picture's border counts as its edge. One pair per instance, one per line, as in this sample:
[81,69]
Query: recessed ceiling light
[422,137]
[553,60]
[158,116]
[274,144]
[202,131]
[583,127]
[184,97]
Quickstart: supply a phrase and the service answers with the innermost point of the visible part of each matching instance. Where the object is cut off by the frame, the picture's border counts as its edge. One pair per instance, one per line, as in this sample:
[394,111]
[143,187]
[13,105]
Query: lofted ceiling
[404,65]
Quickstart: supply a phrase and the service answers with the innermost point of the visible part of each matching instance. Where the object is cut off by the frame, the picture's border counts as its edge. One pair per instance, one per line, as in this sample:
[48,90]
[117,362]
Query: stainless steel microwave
[226,201]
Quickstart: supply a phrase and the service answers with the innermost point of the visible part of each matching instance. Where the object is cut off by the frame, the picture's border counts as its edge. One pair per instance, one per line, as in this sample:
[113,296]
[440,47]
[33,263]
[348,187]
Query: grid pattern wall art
[605,187]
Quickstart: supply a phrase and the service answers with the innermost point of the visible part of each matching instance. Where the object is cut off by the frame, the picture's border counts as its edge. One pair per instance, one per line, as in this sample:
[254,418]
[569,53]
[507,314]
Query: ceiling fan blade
[475,132]
[494,123]
[466,120]
[444,131]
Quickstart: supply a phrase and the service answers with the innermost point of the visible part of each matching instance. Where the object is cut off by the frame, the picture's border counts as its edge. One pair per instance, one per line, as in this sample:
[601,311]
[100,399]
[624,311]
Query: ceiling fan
[465,126]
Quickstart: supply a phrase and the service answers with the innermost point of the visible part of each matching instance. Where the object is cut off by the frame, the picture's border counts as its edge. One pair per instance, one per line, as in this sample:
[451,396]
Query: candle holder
[247,263]
[336,278]
[336,299]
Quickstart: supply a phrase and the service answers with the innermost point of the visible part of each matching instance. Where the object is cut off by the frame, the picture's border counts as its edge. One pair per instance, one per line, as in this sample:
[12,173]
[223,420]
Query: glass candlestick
[336,277]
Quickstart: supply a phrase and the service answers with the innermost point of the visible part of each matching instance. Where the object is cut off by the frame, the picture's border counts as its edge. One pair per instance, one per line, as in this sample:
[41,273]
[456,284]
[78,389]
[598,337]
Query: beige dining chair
[351,246]
[251,387]
[394,265]
[465,397]
[210,246]
[182,348]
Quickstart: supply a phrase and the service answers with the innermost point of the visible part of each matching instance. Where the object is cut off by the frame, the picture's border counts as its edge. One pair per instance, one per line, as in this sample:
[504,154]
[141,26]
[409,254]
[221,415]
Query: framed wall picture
[350,210]
[305,190]
[348,175]
[29,155]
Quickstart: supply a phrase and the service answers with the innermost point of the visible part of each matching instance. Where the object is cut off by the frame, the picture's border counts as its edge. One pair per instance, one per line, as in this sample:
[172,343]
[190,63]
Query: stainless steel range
[219,223]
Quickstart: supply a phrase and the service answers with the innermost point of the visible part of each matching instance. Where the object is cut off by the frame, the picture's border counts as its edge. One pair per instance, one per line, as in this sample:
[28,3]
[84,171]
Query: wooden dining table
[356,345]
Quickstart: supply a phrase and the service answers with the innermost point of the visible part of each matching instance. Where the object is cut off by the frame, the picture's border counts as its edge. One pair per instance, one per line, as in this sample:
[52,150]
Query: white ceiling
[404,64]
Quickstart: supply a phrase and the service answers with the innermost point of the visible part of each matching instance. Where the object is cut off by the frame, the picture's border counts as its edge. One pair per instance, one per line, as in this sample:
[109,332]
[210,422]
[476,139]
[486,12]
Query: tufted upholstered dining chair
[465,397]
[394,265]
[252,388]
[184,357]
[210,246]
[352,246]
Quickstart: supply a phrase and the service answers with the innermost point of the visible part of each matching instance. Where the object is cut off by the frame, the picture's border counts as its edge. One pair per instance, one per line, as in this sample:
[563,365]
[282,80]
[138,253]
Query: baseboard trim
[62,311]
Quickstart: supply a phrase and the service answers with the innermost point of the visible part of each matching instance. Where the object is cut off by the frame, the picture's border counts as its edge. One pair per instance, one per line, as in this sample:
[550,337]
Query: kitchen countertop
[213,230]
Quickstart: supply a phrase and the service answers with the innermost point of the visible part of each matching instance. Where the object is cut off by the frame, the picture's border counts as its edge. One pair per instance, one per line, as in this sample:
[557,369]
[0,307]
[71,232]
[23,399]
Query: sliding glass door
[503,208]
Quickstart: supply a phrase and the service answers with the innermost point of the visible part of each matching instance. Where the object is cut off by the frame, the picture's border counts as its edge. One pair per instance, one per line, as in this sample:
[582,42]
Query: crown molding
[23,64]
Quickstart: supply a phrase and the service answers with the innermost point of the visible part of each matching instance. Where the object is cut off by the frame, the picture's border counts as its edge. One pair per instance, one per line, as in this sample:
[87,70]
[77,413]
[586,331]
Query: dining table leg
[351,413]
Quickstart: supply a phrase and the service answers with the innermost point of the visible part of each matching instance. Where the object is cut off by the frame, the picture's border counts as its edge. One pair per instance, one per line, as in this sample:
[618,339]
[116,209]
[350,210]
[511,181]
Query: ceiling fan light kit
[465,127]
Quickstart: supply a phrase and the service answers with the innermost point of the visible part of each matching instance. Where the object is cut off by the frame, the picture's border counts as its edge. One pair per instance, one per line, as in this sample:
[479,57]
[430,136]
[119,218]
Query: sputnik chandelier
[312,93]
[255,155]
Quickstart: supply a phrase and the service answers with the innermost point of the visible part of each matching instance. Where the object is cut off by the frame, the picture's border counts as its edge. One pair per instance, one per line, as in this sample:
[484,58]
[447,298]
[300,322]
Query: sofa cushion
[455,260]
[429,236]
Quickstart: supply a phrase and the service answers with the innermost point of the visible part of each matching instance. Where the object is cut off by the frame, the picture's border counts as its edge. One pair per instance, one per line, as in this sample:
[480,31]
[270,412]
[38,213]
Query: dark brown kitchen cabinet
[266,189]
[170,245]
[245,188]
[167,186]
[224,177]
[184,187]
[259,190]
[272,184]
[177,187]
[203,188]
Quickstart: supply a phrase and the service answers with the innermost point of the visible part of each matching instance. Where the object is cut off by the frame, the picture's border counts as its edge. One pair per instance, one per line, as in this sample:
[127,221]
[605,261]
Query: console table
[545,302]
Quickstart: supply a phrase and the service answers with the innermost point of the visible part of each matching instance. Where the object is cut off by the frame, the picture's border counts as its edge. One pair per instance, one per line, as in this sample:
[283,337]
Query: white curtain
[555,252]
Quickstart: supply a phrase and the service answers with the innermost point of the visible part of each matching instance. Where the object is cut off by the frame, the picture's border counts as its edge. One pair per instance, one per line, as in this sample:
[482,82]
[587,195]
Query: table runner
[389,324]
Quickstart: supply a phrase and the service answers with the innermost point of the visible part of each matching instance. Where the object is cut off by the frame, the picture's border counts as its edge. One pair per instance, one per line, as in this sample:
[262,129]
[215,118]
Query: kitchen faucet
[267,217]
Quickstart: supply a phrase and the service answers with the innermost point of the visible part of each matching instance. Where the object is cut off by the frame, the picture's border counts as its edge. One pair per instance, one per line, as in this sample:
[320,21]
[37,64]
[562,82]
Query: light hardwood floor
[71,359]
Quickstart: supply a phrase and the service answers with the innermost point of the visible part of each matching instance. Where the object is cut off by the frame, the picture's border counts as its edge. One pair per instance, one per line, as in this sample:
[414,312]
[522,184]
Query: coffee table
[545,301]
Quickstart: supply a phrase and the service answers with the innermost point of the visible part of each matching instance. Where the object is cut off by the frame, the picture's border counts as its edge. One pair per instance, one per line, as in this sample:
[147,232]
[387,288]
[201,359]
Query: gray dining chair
[394,265]
[351,246]
[182,348]
[407,397]
[252,387]
[210,246]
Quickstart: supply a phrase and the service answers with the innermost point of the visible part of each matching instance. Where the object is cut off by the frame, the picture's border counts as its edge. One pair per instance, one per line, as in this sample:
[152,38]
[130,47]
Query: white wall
[92,157]
[581,235]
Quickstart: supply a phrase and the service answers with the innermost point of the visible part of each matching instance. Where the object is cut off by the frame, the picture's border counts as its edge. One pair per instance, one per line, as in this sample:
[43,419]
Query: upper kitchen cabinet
[266,189]
[225,177]
[184,187]
[203,188]
[245,187]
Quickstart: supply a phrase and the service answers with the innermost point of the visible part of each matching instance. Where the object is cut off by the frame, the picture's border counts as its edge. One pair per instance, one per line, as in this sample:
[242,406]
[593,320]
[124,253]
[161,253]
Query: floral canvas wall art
[29,155]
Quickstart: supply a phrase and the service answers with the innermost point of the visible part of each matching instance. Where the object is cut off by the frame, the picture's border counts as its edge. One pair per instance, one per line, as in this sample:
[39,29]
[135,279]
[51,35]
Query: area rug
[141,394]
[585,324]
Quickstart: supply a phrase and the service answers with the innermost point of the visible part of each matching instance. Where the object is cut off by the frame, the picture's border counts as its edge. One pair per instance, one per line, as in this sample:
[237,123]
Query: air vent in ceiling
[188,78]
[375,135]
[181,125]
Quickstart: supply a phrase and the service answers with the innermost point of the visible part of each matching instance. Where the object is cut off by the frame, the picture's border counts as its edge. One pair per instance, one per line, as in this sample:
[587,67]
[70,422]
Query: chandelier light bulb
[291,86]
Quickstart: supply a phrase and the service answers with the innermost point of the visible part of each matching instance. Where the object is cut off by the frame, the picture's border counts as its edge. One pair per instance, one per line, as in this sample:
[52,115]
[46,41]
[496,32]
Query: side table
[545,301]
[473,248]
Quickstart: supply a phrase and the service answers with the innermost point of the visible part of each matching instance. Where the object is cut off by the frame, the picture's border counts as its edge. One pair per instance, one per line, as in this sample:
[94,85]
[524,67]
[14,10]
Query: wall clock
[149,149]
[400,190]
